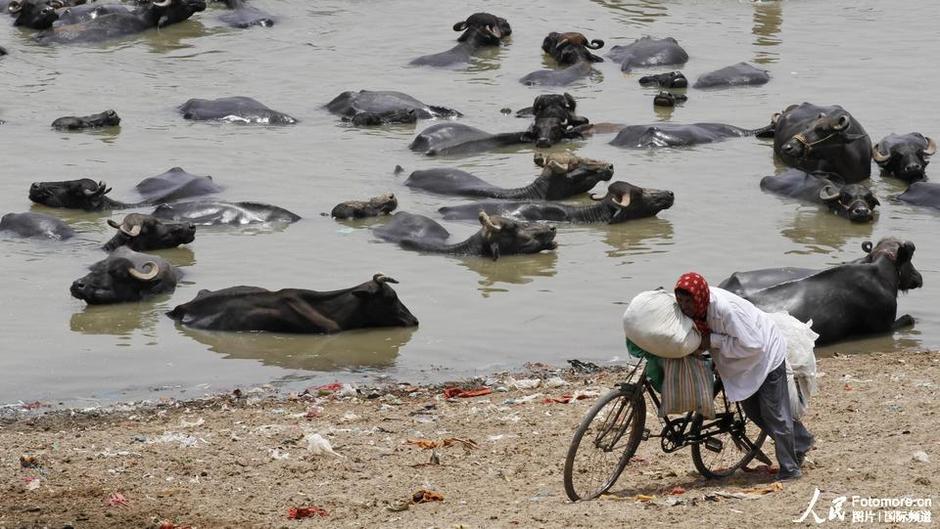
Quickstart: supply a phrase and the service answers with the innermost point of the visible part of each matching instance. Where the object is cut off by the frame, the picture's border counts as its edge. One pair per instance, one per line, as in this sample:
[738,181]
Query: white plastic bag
[801,360]
[654,322]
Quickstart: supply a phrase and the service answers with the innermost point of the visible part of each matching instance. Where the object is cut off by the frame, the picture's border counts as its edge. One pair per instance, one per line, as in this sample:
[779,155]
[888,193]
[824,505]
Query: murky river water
[875,58]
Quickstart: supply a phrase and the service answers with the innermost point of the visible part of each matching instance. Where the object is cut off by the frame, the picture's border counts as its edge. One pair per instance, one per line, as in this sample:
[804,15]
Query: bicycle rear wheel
[604,442]
[718,455]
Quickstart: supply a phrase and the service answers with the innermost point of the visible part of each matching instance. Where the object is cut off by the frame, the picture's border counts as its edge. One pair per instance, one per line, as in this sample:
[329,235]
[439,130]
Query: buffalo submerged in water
[125,275]
[480,30]
[123,22]
[570,52]
[367,107]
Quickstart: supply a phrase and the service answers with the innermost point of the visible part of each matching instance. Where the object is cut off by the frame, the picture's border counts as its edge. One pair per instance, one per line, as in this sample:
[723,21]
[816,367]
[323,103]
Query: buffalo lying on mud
[480,30]
[125,275]
[497,236]
[292,310]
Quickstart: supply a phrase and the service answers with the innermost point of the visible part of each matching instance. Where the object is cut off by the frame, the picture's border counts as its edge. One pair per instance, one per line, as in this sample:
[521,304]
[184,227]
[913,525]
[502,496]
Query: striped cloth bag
[688,385]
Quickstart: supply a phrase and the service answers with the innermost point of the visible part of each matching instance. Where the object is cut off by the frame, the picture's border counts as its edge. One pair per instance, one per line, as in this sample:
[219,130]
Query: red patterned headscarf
[696,285]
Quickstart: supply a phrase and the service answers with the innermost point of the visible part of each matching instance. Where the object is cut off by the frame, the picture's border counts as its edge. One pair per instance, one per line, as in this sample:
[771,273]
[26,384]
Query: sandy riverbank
[244,462]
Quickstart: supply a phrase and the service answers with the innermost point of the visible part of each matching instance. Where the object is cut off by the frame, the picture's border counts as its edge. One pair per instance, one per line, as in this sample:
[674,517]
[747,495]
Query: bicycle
[720,446]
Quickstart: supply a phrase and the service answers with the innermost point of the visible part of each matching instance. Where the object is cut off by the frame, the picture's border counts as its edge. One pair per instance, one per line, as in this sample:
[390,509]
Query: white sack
[801,360]
[654,322]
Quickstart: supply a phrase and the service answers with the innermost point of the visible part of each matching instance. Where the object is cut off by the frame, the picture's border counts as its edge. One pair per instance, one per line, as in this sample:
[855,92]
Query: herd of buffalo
[828,153]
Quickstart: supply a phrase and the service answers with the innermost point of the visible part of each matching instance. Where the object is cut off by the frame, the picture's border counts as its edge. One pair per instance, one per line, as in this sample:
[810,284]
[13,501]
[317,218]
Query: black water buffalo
[852,201]
[34,14]
[367,107]
[358,209]
[622,202]
[822,139]
[665,80]
[741,74]
[479,30]
[748,282]
[292,310]
[210,213]
[669,99]
[38,225]
[570,51]
[563,175]
[237,109]
[152,15]
[143,233]
[125,275]
[245,16]
[554,120]
[676,135]
[108,118]
[648,51]
[89,195]
[497,236]
[922,194]
[904,157]
[847,300]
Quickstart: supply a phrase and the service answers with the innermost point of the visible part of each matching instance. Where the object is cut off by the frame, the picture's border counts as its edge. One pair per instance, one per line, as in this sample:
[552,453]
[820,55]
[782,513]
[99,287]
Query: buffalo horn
[487,222]
[598,196]
[828,192]
[774,118]
[382,278]
[842,122]
[15,6]
[931,147]
[57,4]
[152,271]
[163,3]
[460,26]
[625,199]
[595,44]
[878,156]
[866,246]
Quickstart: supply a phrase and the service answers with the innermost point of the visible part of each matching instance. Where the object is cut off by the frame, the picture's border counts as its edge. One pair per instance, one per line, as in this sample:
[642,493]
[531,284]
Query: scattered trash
[556,382]
[428,444]
[115,499]
[318,445]
[435,459]
[751,493]
[426,496]
[398,506]
[571,397]
[525,383]
[296,513]
[677,490]
[453,392]
[584,367]
[28,461]
[166,524]
[523,400]
[277,454]
[921,457]
[186,424]
[32,483]
[185,440]
[35,405]
[349,417]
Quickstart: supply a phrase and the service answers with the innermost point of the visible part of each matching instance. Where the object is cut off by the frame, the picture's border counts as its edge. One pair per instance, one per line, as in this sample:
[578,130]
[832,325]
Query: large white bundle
[801,360]
[654,322]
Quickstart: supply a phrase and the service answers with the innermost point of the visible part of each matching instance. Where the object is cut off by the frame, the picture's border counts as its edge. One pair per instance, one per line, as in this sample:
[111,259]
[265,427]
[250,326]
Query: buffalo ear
[570,101]
[828,193]
[875,201]
[905,252]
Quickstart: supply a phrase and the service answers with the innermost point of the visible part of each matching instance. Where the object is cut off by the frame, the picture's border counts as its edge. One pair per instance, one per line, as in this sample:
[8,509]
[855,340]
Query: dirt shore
[244,461]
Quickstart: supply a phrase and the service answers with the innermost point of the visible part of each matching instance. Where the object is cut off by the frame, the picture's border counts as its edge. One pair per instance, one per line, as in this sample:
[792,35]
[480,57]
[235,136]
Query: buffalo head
[625,201]
[145,232]
[73,194]
[570,175]
[162,13]
[815,138]
[357,209]
[380,306]
[483,29]
[569,48]
[35,14]
[901,253]
[904,157]
[125,275]
[854,201]
[554,120]
[504,236]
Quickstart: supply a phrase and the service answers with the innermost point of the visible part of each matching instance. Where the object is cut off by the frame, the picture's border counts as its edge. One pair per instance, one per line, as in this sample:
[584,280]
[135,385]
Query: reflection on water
[119,319]
[640,12]
[819,231]
[641,236]
[181,256]
[904,340]
[768,18]
[369,348]
[514,269]
[487,58]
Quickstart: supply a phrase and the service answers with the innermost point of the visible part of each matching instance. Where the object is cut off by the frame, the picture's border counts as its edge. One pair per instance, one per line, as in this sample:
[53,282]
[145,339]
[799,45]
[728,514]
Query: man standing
[749,354]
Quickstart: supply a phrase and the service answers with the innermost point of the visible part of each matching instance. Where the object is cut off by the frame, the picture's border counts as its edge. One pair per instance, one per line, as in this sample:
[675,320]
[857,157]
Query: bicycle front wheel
[736,442]
[604,442]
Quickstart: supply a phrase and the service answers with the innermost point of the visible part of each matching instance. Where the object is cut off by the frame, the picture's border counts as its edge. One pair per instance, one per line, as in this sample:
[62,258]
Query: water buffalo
[847,300]
[479,30]
[108,118]
[357,209]
[676,135]
[648,51]
[120,23]
[293,310]
[497,236]
[741,74]
[38,225]
[822,139]
[367,107]
[238,109]
[245,16]
[554,120]
[852,201]
[922,194]
[142,233]
[665,80]
[904,157]
[669,99]
[570,50]
[125,275]
[748,282]
[34,14]
[622,202]
[89,195]
[210,213]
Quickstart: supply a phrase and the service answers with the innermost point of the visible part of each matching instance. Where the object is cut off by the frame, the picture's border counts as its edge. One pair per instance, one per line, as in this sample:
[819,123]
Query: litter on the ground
[115,499]
[296,513]
[428,444]
[318,445]
[425,496]
[455,392]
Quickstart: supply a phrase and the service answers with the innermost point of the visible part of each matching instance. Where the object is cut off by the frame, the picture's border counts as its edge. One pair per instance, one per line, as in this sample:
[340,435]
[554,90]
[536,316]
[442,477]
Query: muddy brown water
[872,57]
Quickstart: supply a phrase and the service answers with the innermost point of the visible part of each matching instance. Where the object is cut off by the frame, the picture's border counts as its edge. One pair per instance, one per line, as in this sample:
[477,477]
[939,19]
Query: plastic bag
[801,360]
[654,365]
[654,322]
[688,386]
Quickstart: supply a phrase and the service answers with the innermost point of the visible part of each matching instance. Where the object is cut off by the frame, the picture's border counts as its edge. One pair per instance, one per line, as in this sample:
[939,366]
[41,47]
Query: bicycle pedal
[646,434]
[714,445]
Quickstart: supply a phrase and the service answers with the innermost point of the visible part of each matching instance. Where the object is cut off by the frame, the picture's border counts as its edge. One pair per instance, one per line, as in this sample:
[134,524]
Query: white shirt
[746,344]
